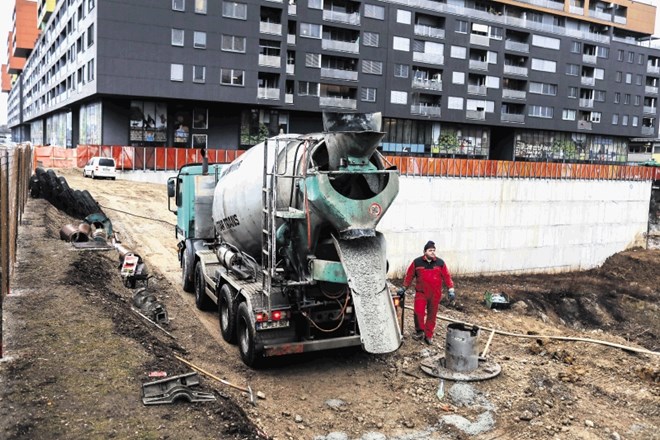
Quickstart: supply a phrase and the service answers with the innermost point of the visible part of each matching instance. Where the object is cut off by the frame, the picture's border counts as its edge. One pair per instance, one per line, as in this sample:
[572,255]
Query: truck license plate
[272,324]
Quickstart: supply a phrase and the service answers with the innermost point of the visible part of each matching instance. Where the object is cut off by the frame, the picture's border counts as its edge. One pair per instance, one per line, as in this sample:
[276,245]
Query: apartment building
[509,79]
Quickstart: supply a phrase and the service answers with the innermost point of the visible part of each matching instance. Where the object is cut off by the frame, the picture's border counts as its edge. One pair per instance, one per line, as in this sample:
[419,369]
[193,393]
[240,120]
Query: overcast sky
[7,8]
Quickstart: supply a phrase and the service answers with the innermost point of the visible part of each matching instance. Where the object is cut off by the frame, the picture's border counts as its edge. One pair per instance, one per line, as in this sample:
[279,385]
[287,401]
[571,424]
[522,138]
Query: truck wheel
[227,314]
[187,267]
[202,300]
[247,336]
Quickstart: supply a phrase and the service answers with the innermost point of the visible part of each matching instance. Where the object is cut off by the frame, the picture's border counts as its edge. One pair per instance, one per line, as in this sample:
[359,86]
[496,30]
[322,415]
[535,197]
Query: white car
[100,167]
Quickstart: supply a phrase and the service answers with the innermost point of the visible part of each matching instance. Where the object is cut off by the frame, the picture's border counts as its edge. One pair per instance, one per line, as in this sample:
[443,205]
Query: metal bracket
[174,388]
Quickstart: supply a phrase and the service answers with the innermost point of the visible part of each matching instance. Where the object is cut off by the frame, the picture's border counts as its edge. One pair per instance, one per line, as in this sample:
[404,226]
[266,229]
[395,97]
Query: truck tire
[187,267]
[227,314]
[247,337]
[202,300]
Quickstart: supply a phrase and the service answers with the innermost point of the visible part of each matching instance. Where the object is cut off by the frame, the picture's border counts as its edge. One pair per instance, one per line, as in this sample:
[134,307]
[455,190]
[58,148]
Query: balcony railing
[476,90]
[591,59]
[342,17]
[270,28]
[290,69]
[429,84]
[348,75]
[586,102]
[429,31]
[648,110]
[584,125]
[478,65]
[291,39]
[515,70]
[288,98]
[270,60]
[576,10]
[648,131]
[517,46]
[620,20]
[545,4]
[512,117]
[425,110]
[514,94]
[293,9]
[480,40]
[652,69]
[331,101]
[478,115]
[429,58]
[651,90]
[600,15]
[268,93]
[588,81]
[341,46]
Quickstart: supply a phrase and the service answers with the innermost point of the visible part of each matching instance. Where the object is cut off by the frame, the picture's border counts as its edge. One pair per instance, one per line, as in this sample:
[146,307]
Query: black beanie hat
[428,245]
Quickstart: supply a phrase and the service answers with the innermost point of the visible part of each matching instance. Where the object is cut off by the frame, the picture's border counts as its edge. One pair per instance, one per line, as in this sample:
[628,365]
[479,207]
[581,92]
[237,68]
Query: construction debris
[174,388]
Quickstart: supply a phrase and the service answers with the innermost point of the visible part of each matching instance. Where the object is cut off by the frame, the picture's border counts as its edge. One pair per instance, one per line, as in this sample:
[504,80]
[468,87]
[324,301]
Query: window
[199,74]
[458,77]
[624,120]
[310,30]
[199,40]
[617,97]
[459,52]
[401,70]
[602,52]
[640,59]
[177,37]
[372,67]
[373,11]
[543,88]
[313,60]
[200,6]
[619,77]
[615,119]
[572,92]
[544,65]
[496,33]
[619,55]
[403,16]
[599,95]
[638,100]
[461,27]
[631,57]
[176,72]
[572,69]
[540,111]
[638,80]
[91,4]
[628,78]
[576,47]
[599,73]
[635,121]
[368,94]
[90,35]
[90,70]
[398,97]
[231,77]
[568,115]
[308,88]
[626,99]
[315,4]
[178,5]
[455,103]
[370,39]
[547,42]
[234,10]
[400,43]
[199,140]
[595,117]
[232,43]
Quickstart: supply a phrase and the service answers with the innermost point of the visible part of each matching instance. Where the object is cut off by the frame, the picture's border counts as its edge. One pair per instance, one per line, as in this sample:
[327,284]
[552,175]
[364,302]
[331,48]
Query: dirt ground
[76,356]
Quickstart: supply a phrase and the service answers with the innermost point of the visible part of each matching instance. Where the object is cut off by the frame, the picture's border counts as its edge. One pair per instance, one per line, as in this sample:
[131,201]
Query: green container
[496,300]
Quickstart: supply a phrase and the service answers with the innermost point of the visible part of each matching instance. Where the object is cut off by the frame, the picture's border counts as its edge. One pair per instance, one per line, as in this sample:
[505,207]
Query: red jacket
[429,276]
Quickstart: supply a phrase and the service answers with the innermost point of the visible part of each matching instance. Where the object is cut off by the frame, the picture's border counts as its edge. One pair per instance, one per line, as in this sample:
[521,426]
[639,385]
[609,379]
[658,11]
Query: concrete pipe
[67,232]
[461,348]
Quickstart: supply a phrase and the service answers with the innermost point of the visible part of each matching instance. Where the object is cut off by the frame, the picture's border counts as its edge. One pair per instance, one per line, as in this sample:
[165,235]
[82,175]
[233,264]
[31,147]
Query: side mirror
[171,187]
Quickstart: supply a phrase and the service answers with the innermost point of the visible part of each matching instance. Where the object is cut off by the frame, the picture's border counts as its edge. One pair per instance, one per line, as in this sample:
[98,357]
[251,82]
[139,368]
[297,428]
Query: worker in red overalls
[429,272]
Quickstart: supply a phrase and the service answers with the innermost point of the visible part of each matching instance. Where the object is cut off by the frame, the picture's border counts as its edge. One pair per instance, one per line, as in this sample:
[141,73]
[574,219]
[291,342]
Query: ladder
[268,224]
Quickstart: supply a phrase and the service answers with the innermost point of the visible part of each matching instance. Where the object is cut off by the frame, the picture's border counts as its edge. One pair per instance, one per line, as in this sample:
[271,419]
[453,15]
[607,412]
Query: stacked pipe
[47,185]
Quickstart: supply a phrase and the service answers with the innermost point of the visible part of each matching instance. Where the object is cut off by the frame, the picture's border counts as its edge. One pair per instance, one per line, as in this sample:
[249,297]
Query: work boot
[429,341]
[418,336]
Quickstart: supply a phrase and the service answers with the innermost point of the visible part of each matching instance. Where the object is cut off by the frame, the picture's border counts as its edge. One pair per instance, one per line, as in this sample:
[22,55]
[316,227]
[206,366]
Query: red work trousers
[426,309]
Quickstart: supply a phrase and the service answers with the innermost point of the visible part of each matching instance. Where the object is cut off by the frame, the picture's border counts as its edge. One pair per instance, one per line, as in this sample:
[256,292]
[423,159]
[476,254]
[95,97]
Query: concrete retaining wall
[484,225]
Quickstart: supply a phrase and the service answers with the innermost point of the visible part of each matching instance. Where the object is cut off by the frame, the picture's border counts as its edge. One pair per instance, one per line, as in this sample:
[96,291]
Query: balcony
[651,90]
[270,28]
[478,65]
[584,125]
[425,110]
[648,131]
[270,60]
[586,102]
[429,31]
[545,4]
[290,69]
[348,75]
[293,9]
[476,90]
[512,117]
[331,101]
[481,40]
[515,70]
[648,110]
[428,84]
[288,98]
[290,39]
[588,81]
[620,20]
[517,46]
[342,17]
[600,15]
[340,46]
[514,94]
[429,58]
[477,115]
[576,10]
[591,59]
[652,69]
[268,93]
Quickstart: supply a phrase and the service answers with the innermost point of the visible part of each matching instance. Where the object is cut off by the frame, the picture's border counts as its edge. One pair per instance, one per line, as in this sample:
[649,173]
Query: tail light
[397,301]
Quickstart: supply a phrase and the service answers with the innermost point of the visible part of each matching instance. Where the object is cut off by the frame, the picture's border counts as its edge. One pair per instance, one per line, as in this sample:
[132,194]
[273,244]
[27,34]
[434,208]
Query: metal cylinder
[461,348]
[67,231]
[100,235]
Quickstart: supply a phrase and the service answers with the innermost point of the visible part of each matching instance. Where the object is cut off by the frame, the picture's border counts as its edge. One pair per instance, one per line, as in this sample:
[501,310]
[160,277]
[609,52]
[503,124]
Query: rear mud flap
[364,261]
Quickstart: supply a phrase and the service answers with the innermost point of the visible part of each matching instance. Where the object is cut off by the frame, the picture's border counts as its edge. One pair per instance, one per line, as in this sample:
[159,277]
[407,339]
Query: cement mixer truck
[282,242]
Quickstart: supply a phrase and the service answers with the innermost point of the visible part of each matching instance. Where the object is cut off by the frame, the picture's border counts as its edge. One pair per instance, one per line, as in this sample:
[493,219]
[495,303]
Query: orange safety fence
[167,158]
